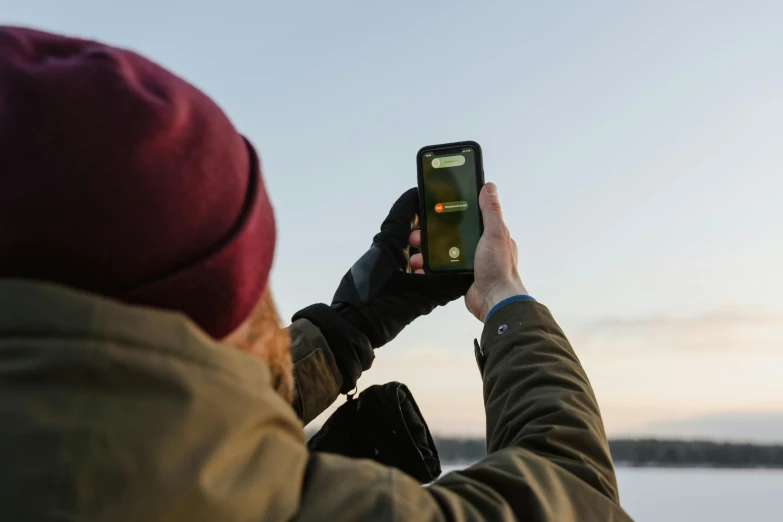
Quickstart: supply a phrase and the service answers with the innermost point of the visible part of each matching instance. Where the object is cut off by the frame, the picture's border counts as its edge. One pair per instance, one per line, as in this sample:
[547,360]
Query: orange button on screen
[439,208]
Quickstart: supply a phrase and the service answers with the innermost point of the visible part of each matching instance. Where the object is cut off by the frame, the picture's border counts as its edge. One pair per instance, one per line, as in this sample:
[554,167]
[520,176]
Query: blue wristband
[505,301]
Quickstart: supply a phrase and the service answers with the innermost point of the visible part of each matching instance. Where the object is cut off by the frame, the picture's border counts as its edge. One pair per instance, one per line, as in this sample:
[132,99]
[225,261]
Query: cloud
[650,371]
[763,427]
[719,331]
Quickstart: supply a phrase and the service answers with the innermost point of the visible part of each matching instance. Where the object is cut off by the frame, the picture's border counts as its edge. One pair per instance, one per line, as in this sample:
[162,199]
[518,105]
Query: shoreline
[455,466]
[649,453]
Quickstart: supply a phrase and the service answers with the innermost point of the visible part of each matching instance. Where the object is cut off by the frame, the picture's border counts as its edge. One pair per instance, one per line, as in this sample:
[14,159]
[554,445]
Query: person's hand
[380,295]
[495,265]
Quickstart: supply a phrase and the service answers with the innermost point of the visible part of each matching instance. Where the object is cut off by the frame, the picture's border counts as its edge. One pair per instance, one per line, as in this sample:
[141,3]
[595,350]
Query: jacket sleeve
[548,455]
[317,378]
[538,398]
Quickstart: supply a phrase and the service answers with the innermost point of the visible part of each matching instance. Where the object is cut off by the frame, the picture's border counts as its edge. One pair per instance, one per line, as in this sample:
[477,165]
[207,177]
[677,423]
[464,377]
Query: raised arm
[537,395]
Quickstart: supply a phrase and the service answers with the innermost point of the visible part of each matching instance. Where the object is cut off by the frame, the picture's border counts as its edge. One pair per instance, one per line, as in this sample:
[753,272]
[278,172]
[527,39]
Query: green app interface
[451,206]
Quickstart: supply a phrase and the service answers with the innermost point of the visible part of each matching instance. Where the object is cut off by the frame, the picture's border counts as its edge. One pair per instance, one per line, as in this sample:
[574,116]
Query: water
[715,495]
[695,495]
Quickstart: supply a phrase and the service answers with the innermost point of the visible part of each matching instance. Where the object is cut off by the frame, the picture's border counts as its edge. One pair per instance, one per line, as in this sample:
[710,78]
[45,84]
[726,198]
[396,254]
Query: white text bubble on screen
[448,161]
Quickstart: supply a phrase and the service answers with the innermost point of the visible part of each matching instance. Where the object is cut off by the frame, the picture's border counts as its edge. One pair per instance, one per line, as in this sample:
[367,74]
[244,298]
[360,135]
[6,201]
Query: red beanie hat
[119,178]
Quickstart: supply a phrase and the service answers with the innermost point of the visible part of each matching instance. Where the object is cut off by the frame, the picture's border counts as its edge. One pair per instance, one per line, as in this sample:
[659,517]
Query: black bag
[383,424]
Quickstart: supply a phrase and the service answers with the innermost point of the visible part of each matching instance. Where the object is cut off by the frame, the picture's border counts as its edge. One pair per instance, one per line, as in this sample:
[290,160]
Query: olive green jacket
[116,413]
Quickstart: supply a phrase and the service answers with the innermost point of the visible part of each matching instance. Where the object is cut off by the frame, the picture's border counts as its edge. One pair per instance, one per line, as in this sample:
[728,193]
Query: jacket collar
[46,310]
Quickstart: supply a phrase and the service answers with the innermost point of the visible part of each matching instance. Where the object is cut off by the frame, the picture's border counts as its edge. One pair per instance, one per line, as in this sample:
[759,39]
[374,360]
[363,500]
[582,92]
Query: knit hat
[119,178]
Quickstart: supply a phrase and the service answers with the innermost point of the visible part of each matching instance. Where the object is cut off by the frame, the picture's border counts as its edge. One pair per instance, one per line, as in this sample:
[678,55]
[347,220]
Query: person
[143,369]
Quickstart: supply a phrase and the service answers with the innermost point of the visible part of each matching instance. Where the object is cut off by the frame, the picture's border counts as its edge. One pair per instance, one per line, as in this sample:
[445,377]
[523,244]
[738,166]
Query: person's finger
[416,261]
[419,271]
[490,210]
[414,239]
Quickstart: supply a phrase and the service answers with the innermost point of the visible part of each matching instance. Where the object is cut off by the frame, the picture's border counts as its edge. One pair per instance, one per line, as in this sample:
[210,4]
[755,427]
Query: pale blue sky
[637,148]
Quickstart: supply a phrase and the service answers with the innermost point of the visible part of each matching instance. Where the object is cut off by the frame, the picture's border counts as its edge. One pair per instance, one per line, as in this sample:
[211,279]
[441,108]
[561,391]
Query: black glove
[350,348]
[383,424]
[379,295]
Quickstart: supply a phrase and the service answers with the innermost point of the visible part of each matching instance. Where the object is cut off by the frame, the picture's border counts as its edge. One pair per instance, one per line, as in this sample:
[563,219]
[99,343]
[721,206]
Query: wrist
[348,345]
[501,293]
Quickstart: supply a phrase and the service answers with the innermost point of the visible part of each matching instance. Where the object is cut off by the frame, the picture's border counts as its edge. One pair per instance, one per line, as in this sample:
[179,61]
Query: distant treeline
[652,452]
[647,452]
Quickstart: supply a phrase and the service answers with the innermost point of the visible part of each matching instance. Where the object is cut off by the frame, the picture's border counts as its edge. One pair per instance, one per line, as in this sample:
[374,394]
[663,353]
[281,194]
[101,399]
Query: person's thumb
[490,210]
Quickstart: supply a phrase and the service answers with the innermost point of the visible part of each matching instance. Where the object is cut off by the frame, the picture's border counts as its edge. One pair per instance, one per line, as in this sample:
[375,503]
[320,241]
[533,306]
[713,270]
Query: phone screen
[451,179]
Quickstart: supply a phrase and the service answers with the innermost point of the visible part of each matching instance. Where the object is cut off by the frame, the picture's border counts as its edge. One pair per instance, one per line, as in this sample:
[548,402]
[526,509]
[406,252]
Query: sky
[637,147]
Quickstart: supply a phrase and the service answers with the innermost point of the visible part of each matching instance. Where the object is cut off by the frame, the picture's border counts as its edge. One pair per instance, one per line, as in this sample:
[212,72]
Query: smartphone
[450,179]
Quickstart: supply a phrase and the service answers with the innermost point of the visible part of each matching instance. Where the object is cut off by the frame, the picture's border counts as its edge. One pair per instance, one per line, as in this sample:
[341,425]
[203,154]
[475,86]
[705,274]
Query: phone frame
[479,164]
